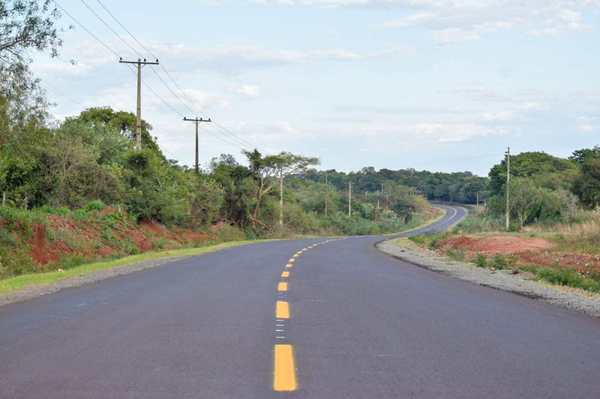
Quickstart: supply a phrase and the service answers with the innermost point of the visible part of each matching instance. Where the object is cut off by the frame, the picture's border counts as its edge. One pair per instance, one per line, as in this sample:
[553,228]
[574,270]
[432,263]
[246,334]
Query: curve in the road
[355,323]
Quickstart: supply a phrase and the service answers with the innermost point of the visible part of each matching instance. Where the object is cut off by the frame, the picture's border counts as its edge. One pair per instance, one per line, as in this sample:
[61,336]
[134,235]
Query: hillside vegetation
[555,228]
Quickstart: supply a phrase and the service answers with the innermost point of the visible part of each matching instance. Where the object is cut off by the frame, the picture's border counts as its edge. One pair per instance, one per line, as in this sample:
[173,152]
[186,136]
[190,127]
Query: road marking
[282,310]
[282,286]
[284,375]
[285,274]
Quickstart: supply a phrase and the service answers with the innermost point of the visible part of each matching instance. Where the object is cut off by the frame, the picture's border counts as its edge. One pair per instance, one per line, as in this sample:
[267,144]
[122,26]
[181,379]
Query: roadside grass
[13,284]
[553,275]
[566,277]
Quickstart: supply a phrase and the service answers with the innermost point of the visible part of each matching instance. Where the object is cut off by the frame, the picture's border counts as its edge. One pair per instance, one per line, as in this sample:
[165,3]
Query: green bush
[480,260]
[230,233]
[499,262]
[569,278]
[95,205]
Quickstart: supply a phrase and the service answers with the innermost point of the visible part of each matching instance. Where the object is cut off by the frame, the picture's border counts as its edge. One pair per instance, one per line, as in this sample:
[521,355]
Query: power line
[224,139]
[171,78]
[111,29]
[86,29]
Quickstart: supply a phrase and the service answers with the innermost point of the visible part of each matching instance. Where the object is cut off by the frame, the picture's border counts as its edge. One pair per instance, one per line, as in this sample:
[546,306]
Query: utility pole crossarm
[138,62]
[197,121]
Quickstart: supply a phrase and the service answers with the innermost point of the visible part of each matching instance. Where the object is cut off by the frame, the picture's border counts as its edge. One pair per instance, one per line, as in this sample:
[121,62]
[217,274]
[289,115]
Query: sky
[442,85]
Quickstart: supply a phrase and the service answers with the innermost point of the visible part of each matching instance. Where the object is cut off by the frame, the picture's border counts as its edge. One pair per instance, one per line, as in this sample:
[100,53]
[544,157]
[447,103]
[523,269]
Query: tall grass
[583,236]
[478,221]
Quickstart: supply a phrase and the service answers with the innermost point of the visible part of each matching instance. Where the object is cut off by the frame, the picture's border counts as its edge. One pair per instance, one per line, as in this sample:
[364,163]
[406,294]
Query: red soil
[528,251]
[500,244]
[88,239]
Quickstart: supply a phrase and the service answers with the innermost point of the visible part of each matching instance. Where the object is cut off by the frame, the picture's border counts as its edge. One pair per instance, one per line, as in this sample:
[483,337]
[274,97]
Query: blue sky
[427,84]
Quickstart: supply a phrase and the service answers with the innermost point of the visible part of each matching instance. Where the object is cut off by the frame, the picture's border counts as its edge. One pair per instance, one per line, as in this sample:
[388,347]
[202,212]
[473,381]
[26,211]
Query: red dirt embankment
[527,251]
[98,237]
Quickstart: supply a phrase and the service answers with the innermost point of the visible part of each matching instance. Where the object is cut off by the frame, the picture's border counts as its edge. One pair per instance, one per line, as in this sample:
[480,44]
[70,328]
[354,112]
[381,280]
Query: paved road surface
[361,325]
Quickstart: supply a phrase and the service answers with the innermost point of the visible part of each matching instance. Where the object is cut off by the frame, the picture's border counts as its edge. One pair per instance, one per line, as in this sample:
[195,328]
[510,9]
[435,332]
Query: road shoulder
[520,284]
[25,287]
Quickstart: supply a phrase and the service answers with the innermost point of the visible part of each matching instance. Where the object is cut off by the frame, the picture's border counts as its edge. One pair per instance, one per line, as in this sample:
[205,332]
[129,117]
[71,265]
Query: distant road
[342,321]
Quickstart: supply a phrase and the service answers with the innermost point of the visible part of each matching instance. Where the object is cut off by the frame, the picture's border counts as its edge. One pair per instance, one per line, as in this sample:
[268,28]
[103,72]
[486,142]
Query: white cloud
[587,124]
[460,20]
[457,21]
[246,90]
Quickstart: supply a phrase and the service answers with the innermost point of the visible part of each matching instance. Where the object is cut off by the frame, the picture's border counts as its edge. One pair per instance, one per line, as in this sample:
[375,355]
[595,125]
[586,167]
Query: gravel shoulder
[34,291]
[86,274]
[521,284]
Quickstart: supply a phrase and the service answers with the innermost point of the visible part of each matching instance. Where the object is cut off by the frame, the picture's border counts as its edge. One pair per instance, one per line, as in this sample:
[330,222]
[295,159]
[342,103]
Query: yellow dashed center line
[285,274]
[284,376]
[282,286]
[282,310]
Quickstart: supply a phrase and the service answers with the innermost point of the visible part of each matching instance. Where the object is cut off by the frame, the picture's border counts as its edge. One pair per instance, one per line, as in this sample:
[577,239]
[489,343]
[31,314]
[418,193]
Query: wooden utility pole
[350,199]
[508,189]
[326,195]
[197,121]
[138,121]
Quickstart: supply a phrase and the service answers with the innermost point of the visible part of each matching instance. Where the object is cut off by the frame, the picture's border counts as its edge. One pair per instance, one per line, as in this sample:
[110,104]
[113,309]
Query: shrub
[499,262]
[480,260]
[568,278]
[96,205]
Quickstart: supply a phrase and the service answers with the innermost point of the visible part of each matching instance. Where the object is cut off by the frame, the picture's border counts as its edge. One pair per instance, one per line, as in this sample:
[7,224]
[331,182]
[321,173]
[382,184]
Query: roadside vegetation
[555,229]
[75,191]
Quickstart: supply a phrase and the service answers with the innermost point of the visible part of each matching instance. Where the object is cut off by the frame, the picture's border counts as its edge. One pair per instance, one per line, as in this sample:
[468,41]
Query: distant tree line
[462,187]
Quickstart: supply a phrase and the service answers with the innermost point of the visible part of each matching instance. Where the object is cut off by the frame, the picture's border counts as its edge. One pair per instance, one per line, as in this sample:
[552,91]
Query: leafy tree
[542,169]
[28,24]
[239,189]
[123,122]
[287,164]
[262,169]
[587,185]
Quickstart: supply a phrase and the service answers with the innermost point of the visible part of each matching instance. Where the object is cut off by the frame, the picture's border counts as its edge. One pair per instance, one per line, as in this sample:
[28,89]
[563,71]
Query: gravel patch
[521,284]
[87,278]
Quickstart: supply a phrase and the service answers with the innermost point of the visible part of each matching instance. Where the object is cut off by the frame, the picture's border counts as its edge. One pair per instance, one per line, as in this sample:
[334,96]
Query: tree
[542,169]
[287,164]
[587,185]
[239,189]
[28,24]
[121,121]
[262,168]
[525,200]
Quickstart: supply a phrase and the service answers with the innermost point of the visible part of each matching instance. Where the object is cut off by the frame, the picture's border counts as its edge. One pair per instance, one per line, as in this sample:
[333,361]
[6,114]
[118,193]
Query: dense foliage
[544,188]
[463,187]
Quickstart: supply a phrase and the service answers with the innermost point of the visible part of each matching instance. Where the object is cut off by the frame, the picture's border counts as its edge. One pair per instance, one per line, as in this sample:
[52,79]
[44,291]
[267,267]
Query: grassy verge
[552,275]
[36,279]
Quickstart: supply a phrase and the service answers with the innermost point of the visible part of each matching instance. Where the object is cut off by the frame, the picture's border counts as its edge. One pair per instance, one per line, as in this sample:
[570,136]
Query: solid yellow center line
[285,274]
[284,375]
[282,286]
[282,310]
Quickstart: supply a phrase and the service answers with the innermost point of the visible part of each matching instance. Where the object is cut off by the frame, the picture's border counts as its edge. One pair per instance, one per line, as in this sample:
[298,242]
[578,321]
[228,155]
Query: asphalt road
[361,325]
